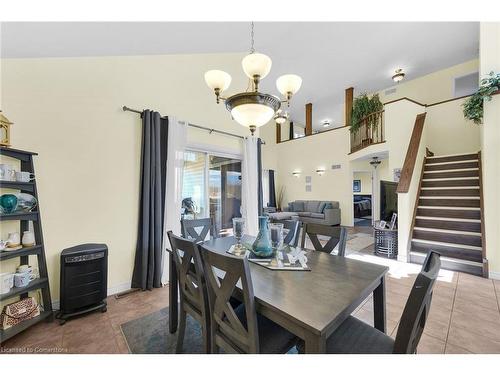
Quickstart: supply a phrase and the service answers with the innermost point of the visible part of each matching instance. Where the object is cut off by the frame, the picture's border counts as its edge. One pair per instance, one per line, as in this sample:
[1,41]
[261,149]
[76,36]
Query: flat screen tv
[388,200]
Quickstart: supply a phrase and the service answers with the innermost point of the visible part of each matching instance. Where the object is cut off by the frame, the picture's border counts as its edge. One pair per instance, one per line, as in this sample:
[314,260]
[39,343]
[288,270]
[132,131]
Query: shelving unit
[41,283]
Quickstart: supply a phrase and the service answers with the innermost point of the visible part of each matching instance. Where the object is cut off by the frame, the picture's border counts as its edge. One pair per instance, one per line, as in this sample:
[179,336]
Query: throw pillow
[321,207]
[328,205]
[298,206]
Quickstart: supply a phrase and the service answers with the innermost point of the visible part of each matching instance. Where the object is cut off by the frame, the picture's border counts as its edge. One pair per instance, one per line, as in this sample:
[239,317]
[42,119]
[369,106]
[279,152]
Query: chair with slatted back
[240,329]
[292,237]
[198,229]
[356,337]
[338,235]
[192,288]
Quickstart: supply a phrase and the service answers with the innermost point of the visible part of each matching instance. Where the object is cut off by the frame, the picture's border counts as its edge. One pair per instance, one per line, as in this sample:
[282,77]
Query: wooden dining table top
[318,300]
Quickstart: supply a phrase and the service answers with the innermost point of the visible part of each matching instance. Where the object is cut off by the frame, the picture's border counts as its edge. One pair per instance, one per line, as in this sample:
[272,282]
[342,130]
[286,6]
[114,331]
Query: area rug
[149,334]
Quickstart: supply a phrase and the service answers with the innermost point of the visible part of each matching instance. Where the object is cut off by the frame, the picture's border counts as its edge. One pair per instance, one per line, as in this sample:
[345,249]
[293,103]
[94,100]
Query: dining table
[310,304]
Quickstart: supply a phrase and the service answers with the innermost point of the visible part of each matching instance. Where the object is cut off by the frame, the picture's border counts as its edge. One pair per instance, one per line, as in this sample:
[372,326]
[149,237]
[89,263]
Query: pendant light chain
[252,49]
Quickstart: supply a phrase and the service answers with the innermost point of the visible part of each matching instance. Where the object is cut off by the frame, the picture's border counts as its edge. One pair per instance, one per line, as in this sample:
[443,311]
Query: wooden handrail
[411,154]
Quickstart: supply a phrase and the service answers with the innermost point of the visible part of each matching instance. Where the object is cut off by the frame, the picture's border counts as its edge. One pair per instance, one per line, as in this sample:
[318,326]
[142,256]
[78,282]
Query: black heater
[84,276]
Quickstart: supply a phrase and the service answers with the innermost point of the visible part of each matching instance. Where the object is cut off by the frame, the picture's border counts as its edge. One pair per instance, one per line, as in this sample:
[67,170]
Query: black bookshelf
[41,283]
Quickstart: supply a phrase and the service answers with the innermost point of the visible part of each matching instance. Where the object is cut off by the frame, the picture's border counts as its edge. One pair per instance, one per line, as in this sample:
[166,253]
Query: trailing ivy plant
[363,106]
[473,106]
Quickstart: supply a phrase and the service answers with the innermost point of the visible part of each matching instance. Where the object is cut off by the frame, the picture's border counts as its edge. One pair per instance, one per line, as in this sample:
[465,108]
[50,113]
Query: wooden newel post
[309,114]
[349,98]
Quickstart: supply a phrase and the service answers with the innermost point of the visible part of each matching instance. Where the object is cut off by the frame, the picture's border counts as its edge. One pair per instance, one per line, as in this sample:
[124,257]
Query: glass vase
[262,246]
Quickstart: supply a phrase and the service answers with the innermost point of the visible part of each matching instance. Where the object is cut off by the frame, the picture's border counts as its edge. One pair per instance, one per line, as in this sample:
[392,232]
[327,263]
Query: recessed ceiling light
[398,77]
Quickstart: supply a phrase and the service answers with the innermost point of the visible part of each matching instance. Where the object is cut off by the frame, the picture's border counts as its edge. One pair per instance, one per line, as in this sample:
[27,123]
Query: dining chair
[293,228]
[192,288]
[338,235]
[239,329]
[356,337]
[198,229]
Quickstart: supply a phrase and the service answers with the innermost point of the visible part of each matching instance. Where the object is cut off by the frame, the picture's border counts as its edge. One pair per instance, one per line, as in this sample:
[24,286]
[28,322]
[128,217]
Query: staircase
[448,215]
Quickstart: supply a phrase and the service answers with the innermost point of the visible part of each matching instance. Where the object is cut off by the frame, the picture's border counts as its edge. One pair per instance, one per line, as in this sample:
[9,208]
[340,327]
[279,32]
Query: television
[388,200]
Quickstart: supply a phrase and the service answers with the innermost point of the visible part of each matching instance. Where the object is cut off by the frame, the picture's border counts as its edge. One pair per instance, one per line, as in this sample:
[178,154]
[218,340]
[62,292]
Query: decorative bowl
[25,202]
[8,203]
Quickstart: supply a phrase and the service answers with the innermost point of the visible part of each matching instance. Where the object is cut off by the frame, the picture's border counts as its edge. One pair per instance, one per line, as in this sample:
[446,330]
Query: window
[211,188]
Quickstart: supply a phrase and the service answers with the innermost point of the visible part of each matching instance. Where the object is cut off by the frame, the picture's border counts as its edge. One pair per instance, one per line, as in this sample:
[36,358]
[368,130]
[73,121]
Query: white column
[490,146]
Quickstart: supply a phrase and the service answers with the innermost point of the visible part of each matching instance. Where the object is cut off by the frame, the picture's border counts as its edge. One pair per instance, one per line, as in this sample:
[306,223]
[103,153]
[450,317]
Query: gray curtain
[272,189]
[148,253]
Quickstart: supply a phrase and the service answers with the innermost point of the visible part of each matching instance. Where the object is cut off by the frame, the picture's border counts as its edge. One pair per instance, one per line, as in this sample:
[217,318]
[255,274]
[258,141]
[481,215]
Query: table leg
[173,304]
[379,306]
[315,344]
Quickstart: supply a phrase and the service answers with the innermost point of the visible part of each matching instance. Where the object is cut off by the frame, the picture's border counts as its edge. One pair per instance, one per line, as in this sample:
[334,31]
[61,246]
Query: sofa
[309,211]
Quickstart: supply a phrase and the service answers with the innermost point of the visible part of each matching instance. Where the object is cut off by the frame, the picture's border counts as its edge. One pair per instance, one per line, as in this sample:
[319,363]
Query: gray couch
[319,212]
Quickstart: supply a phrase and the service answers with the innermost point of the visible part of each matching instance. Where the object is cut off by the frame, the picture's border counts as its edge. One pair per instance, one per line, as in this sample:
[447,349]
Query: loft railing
[370,131]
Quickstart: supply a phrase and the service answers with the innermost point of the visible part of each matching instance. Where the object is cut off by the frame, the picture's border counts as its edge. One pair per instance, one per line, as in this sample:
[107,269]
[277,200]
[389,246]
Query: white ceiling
[329,56]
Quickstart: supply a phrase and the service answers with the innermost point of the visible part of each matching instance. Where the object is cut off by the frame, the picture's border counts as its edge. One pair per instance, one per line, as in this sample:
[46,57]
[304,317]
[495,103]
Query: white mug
[7,173]
[24,176]
[28,238]
[6,282]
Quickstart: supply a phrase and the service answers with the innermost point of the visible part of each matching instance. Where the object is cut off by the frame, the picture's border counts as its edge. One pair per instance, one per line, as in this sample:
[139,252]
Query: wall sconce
[320,171]
[296,174]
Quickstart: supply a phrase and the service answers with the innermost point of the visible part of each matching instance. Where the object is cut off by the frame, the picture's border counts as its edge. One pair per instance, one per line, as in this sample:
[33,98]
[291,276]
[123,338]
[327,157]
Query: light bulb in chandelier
[218,81]
[280,117]
[288,84]
[256,66]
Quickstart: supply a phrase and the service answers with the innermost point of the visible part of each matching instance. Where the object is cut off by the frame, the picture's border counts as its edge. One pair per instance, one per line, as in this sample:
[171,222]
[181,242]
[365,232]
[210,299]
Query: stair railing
[369,132]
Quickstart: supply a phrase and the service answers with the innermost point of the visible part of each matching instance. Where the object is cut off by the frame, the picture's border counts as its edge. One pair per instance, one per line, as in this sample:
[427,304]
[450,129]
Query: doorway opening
[362,198]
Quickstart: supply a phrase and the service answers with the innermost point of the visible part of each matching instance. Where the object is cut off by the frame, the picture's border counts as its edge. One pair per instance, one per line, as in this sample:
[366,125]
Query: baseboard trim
[111,291]
[494,275]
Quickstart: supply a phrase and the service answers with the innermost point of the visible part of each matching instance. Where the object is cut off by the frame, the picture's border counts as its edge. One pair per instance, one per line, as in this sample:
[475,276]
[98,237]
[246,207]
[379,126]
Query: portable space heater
[84,275]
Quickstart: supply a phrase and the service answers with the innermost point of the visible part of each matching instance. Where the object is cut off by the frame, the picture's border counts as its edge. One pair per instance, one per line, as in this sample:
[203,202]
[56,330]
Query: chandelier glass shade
[252,108]
[256,64]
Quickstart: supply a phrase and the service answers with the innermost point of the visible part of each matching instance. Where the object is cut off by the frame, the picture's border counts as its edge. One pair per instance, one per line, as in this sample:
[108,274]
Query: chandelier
[253,108]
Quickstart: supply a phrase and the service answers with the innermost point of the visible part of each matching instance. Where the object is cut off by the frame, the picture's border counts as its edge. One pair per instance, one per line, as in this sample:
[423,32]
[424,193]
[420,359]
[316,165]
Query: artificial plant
[362,107]
[474,105]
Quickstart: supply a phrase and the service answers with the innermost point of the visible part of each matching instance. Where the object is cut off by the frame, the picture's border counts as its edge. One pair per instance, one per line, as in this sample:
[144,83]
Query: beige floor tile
[453,349]
[472,323]
[101,342]
[472,342]
[438,323]
[480,313]
[484,291]
[472,298]
[430,345]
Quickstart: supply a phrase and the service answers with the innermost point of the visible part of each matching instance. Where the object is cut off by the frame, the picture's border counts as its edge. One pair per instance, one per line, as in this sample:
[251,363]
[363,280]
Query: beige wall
[490,145]
[449,132]
[69,111]
[433,87]
[308,154]
[366,182]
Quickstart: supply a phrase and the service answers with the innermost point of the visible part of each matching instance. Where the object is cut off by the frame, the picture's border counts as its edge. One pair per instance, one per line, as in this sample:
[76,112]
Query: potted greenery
[362,107]
[473,106]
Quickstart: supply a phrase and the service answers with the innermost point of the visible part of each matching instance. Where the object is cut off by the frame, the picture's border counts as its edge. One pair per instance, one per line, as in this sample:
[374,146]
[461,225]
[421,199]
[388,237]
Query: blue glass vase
[262,245]
[8,203]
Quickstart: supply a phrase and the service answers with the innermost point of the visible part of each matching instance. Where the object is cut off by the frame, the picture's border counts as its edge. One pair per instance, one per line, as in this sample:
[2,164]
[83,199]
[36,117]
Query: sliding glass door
[212,188]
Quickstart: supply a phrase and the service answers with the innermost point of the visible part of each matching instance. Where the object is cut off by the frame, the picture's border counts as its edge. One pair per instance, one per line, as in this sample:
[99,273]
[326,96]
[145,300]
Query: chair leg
[206,340]
[181,331]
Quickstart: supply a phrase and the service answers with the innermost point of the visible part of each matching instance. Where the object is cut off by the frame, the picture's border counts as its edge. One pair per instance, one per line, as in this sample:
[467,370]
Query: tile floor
[464,316]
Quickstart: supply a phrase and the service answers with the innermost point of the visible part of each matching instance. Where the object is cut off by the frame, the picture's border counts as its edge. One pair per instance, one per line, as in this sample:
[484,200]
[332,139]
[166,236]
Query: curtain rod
[125,108]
